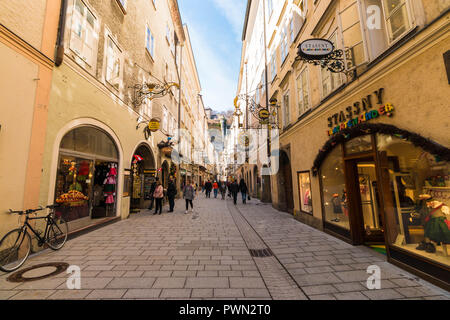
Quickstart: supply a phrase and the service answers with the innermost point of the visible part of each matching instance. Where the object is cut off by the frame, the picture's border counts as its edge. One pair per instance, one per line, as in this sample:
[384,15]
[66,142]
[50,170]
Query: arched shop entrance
[387,186]
[143,174]
[284,180]
[87,176]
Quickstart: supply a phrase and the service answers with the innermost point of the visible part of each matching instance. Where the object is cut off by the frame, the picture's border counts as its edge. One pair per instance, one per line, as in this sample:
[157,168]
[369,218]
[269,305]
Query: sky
[215,29]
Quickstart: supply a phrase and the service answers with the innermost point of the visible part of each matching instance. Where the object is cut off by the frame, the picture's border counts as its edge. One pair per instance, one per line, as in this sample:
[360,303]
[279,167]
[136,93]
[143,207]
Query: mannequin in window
[337,208]
[437,227]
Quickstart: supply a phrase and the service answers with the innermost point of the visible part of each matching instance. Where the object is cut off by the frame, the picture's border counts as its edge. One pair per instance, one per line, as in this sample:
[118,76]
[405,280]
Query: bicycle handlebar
[29,211]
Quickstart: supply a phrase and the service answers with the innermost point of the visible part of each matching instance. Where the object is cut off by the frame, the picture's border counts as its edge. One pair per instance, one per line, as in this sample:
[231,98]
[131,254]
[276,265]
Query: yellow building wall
[25,18]
[17,97]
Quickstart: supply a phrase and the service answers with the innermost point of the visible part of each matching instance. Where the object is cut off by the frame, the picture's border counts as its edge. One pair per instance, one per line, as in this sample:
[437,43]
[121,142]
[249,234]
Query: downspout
[59,55]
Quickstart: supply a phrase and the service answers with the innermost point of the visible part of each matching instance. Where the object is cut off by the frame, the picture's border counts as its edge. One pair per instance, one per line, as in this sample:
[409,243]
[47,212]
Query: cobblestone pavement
[206,255]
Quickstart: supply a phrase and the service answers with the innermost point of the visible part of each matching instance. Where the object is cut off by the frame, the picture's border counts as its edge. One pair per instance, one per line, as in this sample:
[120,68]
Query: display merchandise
[304,184]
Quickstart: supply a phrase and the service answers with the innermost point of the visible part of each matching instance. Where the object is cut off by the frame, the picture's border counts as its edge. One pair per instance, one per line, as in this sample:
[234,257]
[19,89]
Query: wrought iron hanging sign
[150,91]
[321,52]
[266,116]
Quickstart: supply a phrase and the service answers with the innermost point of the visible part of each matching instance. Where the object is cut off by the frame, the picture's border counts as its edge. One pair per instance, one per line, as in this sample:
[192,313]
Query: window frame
[322,70]
[71,29]
[109,37]
[286,109]
[304,71]
[148,31]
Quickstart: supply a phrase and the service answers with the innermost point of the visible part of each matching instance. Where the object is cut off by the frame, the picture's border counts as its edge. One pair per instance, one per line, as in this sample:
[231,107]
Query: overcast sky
[215,28]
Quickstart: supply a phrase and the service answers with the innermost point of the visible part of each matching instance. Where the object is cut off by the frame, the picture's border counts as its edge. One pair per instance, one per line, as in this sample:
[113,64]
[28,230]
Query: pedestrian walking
[234,188]
[243,188]
[208,188]
[229,188]
[216,189]
[171,193]
[152,190]
[223,189]
[189,196]
[158,194]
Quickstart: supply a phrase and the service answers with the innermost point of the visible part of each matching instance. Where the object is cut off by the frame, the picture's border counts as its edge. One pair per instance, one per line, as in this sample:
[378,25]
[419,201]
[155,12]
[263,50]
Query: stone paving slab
[174,256]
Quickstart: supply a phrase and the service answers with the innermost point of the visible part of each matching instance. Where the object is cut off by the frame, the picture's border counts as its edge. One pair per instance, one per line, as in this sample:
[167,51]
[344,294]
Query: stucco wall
[25,18]
[17,92]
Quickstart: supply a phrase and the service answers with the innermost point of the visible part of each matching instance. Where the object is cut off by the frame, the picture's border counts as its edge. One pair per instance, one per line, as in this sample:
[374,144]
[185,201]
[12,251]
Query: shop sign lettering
[359,112]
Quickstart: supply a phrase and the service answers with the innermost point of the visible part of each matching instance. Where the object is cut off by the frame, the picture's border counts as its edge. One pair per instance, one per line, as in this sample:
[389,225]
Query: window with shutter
[330,81]
[286,107]
[352,35]
[113,63]
[83,37]
[303,92]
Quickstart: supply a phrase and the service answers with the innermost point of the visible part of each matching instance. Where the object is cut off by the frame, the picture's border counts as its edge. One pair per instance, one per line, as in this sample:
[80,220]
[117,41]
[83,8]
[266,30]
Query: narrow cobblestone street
[206,255]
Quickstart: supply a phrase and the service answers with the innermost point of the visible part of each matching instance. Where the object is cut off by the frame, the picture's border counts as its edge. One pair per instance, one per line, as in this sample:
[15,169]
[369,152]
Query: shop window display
[87,175]
[419,220]
[304,183]
[333,189]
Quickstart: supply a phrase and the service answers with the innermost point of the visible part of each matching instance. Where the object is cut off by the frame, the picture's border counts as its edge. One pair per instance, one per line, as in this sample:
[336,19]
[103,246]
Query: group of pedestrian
[222,187]
[158,193]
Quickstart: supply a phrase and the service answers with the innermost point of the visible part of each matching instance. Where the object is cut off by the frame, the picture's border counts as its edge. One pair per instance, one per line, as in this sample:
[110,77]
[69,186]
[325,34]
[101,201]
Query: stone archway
[284,184]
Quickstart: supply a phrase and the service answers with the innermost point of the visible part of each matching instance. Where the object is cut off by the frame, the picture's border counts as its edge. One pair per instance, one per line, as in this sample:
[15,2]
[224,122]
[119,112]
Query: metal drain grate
[261,253]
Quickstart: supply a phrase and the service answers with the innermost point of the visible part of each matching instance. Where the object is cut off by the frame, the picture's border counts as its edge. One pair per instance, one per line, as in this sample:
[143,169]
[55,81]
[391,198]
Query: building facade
[364,154]
[123,81]
[27,43]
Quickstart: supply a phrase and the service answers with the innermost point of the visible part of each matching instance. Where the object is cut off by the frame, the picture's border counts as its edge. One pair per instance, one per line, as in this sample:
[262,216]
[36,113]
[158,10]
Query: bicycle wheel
[57,233]
[15,248]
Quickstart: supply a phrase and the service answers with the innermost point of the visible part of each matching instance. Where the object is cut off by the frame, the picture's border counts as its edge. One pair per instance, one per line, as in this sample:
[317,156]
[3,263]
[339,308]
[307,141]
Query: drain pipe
[59,57]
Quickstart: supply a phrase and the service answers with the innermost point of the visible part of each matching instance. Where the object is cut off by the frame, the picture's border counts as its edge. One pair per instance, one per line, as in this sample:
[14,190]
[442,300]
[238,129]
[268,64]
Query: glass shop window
[418,217]
[333,190]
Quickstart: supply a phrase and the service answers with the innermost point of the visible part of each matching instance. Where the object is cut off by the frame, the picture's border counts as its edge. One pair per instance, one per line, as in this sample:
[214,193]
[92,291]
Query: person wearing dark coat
[243,189]
[208,188]
[171,193]
[234,189]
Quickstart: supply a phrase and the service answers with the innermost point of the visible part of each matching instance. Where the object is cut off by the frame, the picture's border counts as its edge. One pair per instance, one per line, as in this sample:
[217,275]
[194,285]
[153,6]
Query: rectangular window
[284,44]
[303,92]
[352,35]
[270,7]
[150,42]
[330,80]
[165,119]
[291,31]
[397,18]
[83,38]
[286,110]
[113,63]
[273,66]
[396,21]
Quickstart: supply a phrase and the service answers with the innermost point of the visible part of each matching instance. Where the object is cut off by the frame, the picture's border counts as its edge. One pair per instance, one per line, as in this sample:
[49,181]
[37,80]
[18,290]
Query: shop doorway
[362,199]
[285,195]
[143,174]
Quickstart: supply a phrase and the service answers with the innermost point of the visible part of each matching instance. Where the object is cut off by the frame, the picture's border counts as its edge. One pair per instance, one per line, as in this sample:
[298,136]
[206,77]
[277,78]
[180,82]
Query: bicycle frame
[50,222]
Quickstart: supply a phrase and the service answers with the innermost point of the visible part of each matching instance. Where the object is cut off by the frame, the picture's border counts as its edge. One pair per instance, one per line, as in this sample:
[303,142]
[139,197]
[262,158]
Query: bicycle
[15,246]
